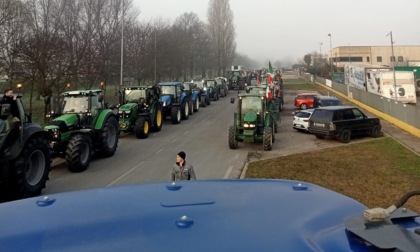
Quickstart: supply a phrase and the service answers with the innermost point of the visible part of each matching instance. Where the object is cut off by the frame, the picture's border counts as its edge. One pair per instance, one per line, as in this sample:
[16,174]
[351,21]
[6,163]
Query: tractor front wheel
[233,143]
[141,128]
[79,152]
[158,120]
[32,168]
[185,110]
[197,105]
[191,107]
[109,138]
[176,115]
[268,138]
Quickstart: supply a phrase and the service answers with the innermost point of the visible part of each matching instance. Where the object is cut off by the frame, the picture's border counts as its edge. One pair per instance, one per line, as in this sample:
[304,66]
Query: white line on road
[186,132]
[125,174]
[159,150]
[227,174]
[176,139]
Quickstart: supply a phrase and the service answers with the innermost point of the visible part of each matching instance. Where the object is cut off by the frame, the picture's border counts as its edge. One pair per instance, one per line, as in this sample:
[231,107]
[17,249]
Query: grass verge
[376,173]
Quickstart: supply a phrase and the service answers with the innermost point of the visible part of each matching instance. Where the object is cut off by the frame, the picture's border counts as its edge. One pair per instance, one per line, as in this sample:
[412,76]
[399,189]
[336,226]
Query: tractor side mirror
[5,111]
[100,98]
[232,100]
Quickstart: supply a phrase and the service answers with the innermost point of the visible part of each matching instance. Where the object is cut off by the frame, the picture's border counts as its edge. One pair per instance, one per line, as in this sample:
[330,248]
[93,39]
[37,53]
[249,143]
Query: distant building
[374,55]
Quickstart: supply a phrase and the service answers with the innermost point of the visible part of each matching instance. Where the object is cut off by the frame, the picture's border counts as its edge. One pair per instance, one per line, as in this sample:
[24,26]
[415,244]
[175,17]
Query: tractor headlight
[205,88]
[164,104]
[55,133]
[249,125]
[127,113]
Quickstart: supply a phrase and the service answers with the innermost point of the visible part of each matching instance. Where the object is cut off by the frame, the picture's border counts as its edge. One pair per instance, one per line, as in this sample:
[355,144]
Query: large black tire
[208,100]
[191,107]
[109,138]
[185,110]
[203,102]
[268,138]
[376,131]
[158,121]
[319,136]
[197,105]
[78,153]
[176,115]
[345,136]
[142,127]
[31,168]
[274,130]
[233,143]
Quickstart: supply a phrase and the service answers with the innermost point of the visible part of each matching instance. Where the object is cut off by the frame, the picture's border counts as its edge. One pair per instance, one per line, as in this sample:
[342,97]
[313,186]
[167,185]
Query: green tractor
[82,127]
[140,110]
[254,121]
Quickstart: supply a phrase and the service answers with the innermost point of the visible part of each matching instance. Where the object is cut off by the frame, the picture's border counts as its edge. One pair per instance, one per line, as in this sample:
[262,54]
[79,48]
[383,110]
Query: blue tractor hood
[210,215]
[166,99]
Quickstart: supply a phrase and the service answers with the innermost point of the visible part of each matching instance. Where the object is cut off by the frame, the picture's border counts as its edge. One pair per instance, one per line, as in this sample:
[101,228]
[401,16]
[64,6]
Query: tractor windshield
[253,104]
[219,81]
[200,84]
[136,95]
[168,90]
[186,86]
[75,104]
[211,83]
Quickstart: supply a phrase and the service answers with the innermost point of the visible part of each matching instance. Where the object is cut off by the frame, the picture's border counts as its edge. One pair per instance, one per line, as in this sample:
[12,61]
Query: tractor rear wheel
[78,153]
[109,138]
[191,107]
[32,167]
[175,115]
[203,101]
[208,100]
[157,125]
[268,138]
[233,143]
[185,110]
[197,105]
[142,127]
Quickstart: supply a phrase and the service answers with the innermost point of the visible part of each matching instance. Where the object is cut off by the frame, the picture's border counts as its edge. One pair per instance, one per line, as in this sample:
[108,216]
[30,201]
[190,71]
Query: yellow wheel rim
[146,127]
[159,118]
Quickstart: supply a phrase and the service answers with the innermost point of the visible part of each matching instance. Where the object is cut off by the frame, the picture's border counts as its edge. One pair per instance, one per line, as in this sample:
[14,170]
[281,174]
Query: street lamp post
[122,46]
[393,65]
[331,59]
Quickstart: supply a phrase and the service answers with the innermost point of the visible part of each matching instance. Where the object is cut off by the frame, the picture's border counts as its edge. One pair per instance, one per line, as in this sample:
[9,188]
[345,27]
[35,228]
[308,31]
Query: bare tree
[222,33]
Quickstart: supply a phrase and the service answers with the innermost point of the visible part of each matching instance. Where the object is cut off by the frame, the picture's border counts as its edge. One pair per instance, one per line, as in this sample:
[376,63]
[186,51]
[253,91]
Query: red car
[305,100]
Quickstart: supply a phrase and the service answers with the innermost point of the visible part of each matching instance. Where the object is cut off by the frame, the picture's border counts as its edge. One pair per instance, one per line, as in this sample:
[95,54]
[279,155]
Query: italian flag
[269,80]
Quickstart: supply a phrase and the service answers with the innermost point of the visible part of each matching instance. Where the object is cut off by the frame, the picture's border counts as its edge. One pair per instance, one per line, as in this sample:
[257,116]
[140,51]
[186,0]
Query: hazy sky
[287,30]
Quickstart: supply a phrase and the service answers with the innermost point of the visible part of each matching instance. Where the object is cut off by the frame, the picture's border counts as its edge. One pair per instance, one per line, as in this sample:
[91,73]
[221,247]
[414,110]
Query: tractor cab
[83,104]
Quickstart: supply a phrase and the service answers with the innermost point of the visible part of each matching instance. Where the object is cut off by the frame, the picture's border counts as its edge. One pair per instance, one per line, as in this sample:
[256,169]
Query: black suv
[342,122]
[324,101]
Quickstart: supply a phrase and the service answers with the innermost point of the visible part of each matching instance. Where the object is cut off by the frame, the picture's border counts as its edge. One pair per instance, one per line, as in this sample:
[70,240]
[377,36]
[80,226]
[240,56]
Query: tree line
[48,44]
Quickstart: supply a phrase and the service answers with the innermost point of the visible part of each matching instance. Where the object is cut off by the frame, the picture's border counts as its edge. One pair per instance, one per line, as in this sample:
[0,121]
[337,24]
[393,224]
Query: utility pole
[122,46]
[331,59]
[155,81]
[393,65]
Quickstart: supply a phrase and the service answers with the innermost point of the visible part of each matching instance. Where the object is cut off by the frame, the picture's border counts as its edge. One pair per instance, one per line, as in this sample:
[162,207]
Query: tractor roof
[170,83]
[141,87]
[268,215]
[82,92]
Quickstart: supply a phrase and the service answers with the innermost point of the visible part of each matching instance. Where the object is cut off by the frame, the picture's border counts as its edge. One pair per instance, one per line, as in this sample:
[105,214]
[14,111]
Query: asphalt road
[204,137]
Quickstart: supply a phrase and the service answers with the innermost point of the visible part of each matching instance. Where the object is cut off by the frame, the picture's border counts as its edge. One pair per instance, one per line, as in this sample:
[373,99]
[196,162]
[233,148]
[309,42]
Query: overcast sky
[287,30]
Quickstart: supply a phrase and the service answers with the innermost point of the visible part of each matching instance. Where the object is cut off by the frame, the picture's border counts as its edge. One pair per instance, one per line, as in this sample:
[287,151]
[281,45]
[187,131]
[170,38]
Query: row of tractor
[82,125]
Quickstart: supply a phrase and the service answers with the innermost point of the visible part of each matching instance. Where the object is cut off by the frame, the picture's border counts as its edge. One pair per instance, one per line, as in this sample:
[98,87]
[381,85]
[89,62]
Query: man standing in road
[181,169]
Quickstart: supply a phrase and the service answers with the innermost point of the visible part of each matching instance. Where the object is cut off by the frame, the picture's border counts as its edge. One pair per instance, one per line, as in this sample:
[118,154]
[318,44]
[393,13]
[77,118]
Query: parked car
[342,122]
[305,100]
[324,101]
[301,119]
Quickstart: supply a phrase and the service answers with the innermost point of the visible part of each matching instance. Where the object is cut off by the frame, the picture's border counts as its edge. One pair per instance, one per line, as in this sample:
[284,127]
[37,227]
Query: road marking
[186,132]
[227,174]
[125,174]
[160,150]
[195,126]
[173,141]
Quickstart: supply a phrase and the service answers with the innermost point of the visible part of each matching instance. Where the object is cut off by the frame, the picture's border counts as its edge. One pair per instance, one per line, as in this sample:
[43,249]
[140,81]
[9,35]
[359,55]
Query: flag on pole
[269,80]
